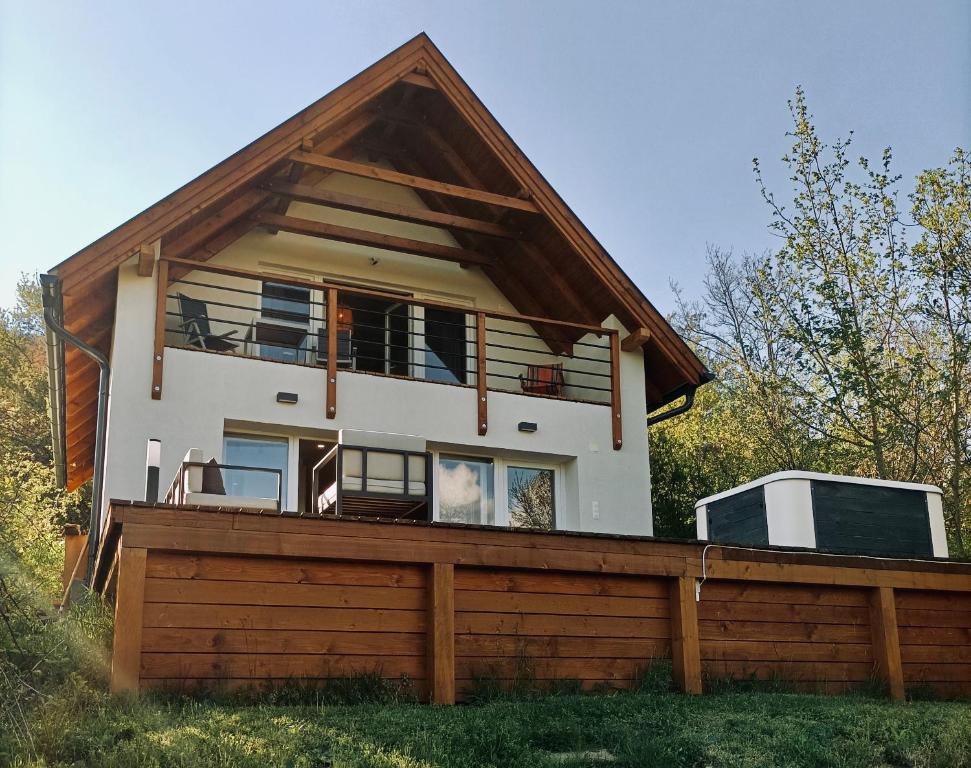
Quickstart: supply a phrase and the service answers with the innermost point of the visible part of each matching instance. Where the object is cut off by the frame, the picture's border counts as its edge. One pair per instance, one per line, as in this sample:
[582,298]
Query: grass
[81,726]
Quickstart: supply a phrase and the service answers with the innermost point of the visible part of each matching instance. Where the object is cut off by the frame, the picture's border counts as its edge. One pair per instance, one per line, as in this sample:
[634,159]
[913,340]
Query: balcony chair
[543,380]
[375,474]
[200,483]
[346,351]
[195,326]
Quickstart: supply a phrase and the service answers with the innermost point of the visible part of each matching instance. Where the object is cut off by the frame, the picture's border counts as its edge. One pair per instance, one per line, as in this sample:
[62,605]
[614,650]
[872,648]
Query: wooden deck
[208,598]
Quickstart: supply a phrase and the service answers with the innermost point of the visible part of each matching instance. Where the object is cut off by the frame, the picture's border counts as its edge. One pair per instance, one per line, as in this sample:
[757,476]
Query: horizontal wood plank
[194,640]
[566,605]
[258,666]
[282,617]
[205,592]
[231,568]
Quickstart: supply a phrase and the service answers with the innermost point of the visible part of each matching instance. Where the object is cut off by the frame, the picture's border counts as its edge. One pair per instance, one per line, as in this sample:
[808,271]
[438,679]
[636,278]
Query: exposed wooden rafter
[415,182]
[341,234]
[146,260]
[637,339]
[308,194]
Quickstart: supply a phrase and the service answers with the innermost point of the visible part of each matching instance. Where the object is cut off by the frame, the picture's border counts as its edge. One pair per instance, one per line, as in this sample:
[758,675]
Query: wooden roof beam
[415,182]
[637,339]
[308,194]
[341,234]
[146,260]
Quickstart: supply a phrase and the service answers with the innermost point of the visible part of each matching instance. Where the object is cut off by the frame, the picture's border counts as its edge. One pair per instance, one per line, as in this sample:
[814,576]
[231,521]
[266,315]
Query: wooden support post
[159,351]
[440,673]
[480,373]
[126,654]
[146,260]
[75,556]
[685,646]
[331,353]
[616,422]
[886,643]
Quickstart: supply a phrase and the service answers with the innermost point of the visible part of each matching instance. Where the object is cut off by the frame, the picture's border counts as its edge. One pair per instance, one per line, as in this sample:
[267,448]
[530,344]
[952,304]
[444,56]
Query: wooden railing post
[126,654]
[685,644]
[481,379]
[440,672]
[615,419]
[159,351]
[886,642]
[331,353]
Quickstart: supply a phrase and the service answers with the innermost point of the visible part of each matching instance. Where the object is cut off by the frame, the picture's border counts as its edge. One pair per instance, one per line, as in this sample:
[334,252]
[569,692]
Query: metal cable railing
[389,335]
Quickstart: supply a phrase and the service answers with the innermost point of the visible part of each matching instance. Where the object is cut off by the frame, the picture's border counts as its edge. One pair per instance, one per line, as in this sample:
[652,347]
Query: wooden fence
[212,599]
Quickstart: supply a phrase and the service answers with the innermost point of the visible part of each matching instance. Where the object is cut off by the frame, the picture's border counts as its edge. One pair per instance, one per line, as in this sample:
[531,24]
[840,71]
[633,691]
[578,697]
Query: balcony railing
[223,310]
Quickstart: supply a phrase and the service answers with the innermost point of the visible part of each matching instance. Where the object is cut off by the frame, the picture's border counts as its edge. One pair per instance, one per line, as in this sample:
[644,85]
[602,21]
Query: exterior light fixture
[286,397]
[153,460]
[528,426]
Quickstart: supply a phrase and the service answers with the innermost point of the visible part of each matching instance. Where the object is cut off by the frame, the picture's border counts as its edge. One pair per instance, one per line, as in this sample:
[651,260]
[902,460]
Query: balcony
[221,310]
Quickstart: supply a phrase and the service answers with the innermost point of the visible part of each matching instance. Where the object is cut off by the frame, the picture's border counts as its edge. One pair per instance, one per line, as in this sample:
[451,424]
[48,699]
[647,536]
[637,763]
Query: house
[332,388]
[396,223]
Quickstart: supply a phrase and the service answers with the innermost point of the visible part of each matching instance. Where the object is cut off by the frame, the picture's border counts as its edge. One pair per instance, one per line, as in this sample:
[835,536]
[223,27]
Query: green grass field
[650,729]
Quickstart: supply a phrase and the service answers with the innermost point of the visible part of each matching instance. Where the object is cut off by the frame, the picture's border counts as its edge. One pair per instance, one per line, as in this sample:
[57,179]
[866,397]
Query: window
[531,497]
[286,302]
[446,346]
[257,452]
[465,490]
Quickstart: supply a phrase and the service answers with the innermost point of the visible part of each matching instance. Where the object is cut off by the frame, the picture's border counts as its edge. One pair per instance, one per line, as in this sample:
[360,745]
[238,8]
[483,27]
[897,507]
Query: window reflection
[465,491]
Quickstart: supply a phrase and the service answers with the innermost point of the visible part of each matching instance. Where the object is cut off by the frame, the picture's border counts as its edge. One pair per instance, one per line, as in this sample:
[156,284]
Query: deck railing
[219,309]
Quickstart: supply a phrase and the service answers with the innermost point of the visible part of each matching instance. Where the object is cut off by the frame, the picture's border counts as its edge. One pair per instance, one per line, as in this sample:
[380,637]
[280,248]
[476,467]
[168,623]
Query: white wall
[202,392]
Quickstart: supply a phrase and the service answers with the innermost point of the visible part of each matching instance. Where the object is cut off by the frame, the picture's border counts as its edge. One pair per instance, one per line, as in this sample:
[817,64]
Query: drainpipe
[53,314]
[688,392]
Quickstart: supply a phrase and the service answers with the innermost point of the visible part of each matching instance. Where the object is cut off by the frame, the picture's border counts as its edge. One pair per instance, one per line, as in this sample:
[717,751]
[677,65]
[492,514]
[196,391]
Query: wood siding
[935,641]
[236,599]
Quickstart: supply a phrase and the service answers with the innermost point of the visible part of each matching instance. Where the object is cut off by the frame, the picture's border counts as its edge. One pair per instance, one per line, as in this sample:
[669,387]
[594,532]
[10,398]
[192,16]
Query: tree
[838,292]
[844,350]
[941,262]
[32,509]
[531,499]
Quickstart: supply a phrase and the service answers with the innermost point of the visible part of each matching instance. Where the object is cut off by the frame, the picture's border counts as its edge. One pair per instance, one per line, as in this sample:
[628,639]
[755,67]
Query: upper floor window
[286,302]
[446,346]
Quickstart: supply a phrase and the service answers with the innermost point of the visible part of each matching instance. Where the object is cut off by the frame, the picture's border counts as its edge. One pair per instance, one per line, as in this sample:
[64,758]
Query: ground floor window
[257,452]
[531,497]
[466,490]
[488,491]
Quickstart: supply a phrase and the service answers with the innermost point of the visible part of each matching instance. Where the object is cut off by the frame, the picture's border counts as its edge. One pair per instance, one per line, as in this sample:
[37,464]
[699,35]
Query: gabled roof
[413,108]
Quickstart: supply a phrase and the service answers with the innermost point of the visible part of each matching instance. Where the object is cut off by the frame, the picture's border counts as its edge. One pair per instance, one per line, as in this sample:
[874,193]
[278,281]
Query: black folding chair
[195,325]
[345,347]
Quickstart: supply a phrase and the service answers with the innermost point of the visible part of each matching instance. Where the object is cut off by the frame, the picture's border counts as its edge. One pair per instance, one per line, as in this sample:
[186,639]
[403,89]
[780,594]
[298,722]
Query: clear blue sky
[644,115]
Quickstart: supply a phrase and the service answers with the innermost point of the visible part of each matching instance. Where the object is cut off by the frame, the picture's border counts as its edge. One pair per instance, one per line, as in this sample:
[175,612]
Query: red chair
[543,380]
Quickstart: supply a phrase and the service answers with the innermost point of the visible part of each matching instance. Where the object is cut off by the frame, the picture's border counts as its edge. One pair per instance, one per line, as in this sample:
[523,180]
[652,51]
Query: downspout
[53,317]
[688,393]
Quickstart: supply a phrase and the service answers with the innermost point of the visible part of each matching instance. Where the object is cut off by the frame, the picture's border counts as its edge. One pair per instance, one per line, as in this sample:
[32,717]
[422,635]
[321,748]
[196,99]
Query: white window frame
[502,486]
[500,482]
[292,490]
[315,297]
